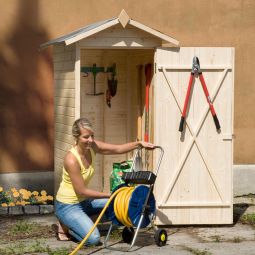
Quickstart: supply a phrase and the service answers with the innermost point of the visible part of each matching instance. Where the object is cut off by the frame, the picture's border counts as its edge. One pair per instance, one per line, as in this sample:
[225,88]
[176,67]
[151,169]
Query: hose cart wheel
[128,234]
[160,237]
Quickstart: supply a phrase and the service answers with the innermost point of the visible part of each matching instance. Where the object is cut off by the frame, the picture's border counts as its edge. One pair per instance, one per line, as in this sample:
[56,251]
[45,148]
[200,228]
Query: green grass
[216,238]
[20,231]
[250,195]
[21,248]
[198,252]
[116,234]
[248,219]
[59,251]
[24,227]
[237,239]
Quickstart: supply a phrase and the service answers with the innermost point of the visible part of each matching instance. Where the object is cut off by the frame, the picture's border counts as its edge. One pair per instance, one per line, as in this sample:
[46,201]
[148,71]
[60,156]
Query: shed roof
[94,28]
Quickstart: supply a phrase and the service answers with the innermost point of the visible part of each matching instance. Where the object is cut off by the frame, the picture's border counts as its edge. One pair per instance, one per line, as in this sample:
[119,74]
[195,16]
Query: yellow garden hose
[120,208]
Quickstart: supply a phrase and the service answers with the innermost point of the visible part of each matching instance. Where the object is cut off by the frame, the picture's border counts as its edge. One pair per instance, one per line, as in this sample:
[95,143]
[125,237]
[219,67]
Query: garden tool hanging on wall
[148,76]
[94,70]
[197,71]
[148,73]
[112,85]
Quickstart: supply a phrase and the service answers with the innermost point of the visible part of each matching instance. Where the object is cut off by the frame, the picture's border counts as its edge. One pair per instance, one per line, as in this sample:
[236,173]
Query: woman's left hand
[147,145]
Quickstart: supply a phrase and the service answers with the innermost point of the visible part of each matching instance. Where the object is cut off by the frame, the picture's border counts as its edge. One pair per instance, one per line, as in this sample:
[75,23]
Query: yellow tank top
[66,193]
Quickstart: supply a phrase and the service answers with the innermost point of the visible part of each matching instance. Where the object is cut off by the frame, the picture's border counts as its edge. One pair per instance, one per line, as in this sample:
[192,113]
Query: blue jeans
[76,218]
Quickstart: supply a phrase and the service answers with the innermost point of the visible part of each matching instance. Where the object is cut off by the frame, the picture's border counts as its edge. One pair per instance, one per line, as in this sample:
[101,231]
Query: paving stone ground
[186,240]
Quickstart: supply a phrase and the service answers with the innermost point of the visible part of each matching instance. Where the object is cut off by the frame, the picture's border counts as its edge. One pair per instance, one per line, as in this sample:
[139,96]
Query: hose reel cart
[135,206]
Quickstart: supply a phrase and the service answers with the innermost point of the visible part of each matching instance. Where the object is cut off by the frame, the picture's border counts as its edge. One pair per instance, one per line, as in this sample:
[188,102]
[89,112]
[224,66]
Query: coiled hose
[120,208]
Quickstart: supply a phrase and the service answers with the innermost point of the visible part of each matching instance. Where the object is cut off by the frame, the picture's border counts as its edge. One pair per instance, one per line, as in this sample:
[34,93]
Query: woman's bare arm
[109,149]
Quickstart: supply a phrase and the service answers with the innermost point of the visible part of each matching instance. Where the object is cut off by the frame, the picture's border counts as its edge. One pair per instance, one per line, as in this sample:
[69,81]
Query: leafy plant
[5,198]
[23,197]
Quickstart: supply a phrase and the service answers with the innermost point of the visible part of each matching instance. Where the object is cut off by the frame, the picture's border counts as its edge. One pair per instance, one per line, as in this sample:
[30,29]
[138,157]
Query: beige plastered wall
[26,74]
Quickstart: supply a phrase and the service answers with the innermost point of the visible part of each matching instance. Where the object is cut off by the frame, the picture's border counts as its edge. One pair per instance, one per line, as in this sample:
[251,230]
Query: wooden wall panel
[64,76]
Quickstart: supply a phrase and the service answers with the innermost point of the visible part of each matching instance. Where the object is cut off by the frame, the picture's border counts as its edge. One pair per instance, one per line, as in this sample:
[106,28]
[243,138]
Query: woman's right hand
[147,145]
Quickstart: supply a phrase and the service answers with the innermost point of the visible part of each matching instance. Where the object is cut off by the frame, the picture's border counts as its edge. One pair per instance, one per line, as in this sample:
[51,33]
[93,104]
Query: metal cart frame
[148,178]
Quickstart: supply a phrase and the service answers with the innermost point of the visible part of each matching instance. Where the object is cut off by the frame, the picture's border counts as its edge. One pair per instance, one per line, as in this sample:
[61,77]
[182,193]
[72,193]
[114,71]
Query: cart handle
[159,161]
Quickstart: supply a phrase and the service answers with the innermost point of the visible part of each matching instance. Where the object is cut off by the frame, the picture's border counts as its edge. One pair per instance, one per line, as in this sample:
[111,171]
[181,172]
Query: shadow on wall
[26,96]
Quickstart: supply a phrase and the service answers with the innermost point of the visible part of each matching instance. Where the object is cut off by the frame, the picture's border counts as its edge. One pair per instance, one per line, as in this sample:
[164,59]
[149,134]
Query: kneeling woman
[75,202]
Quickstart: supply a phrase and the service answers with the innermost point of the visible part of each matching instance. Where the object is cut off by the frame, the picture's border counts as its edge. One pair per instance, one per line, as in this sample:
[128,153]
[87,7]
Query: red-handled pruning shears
[196,70]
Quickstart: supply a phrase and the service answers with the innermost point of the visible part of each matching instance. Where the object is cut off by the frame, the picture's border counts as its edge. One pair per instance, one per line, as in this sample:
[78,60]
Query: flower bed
[22,201]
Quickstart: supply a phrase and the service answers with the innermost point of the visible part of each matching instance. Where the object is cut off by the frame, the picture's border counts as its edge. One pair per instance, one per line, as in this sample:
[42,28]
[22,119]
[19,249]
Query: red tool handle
[186,102]
[215,118]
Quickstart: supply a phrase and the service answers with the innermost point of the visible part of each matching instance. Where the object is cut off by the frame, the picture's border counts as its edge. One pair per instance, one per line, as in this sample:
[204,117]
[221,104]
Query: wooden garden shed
[194,184]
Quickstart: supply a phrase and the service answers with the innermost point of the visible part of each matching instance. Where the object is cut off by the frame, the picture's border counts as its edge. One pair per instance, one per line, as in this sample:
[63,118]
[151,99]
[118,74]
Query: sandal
[60,234]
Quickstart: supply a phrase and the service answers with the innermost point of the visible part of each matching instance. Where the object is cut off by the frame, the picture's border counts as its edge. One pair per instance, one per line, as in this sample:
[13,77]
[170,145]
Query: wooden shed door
[194,184]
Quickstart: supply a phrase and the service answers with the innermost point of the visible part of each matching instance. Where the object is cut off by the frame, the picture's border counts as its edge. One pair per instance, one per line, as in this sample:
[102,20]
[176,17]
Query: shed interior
[124,121]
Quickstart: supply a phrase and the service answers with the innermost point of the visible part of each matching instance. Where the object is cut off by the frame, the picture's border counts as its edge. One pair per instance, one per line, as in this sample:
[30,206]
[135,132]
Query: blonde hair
[81,123]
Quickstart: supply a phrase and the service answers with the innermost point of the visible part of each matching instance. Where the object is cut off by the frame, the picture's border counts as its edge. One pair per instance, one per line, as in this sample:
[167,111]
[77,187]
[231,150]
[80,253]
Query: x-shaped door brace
[190,145]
